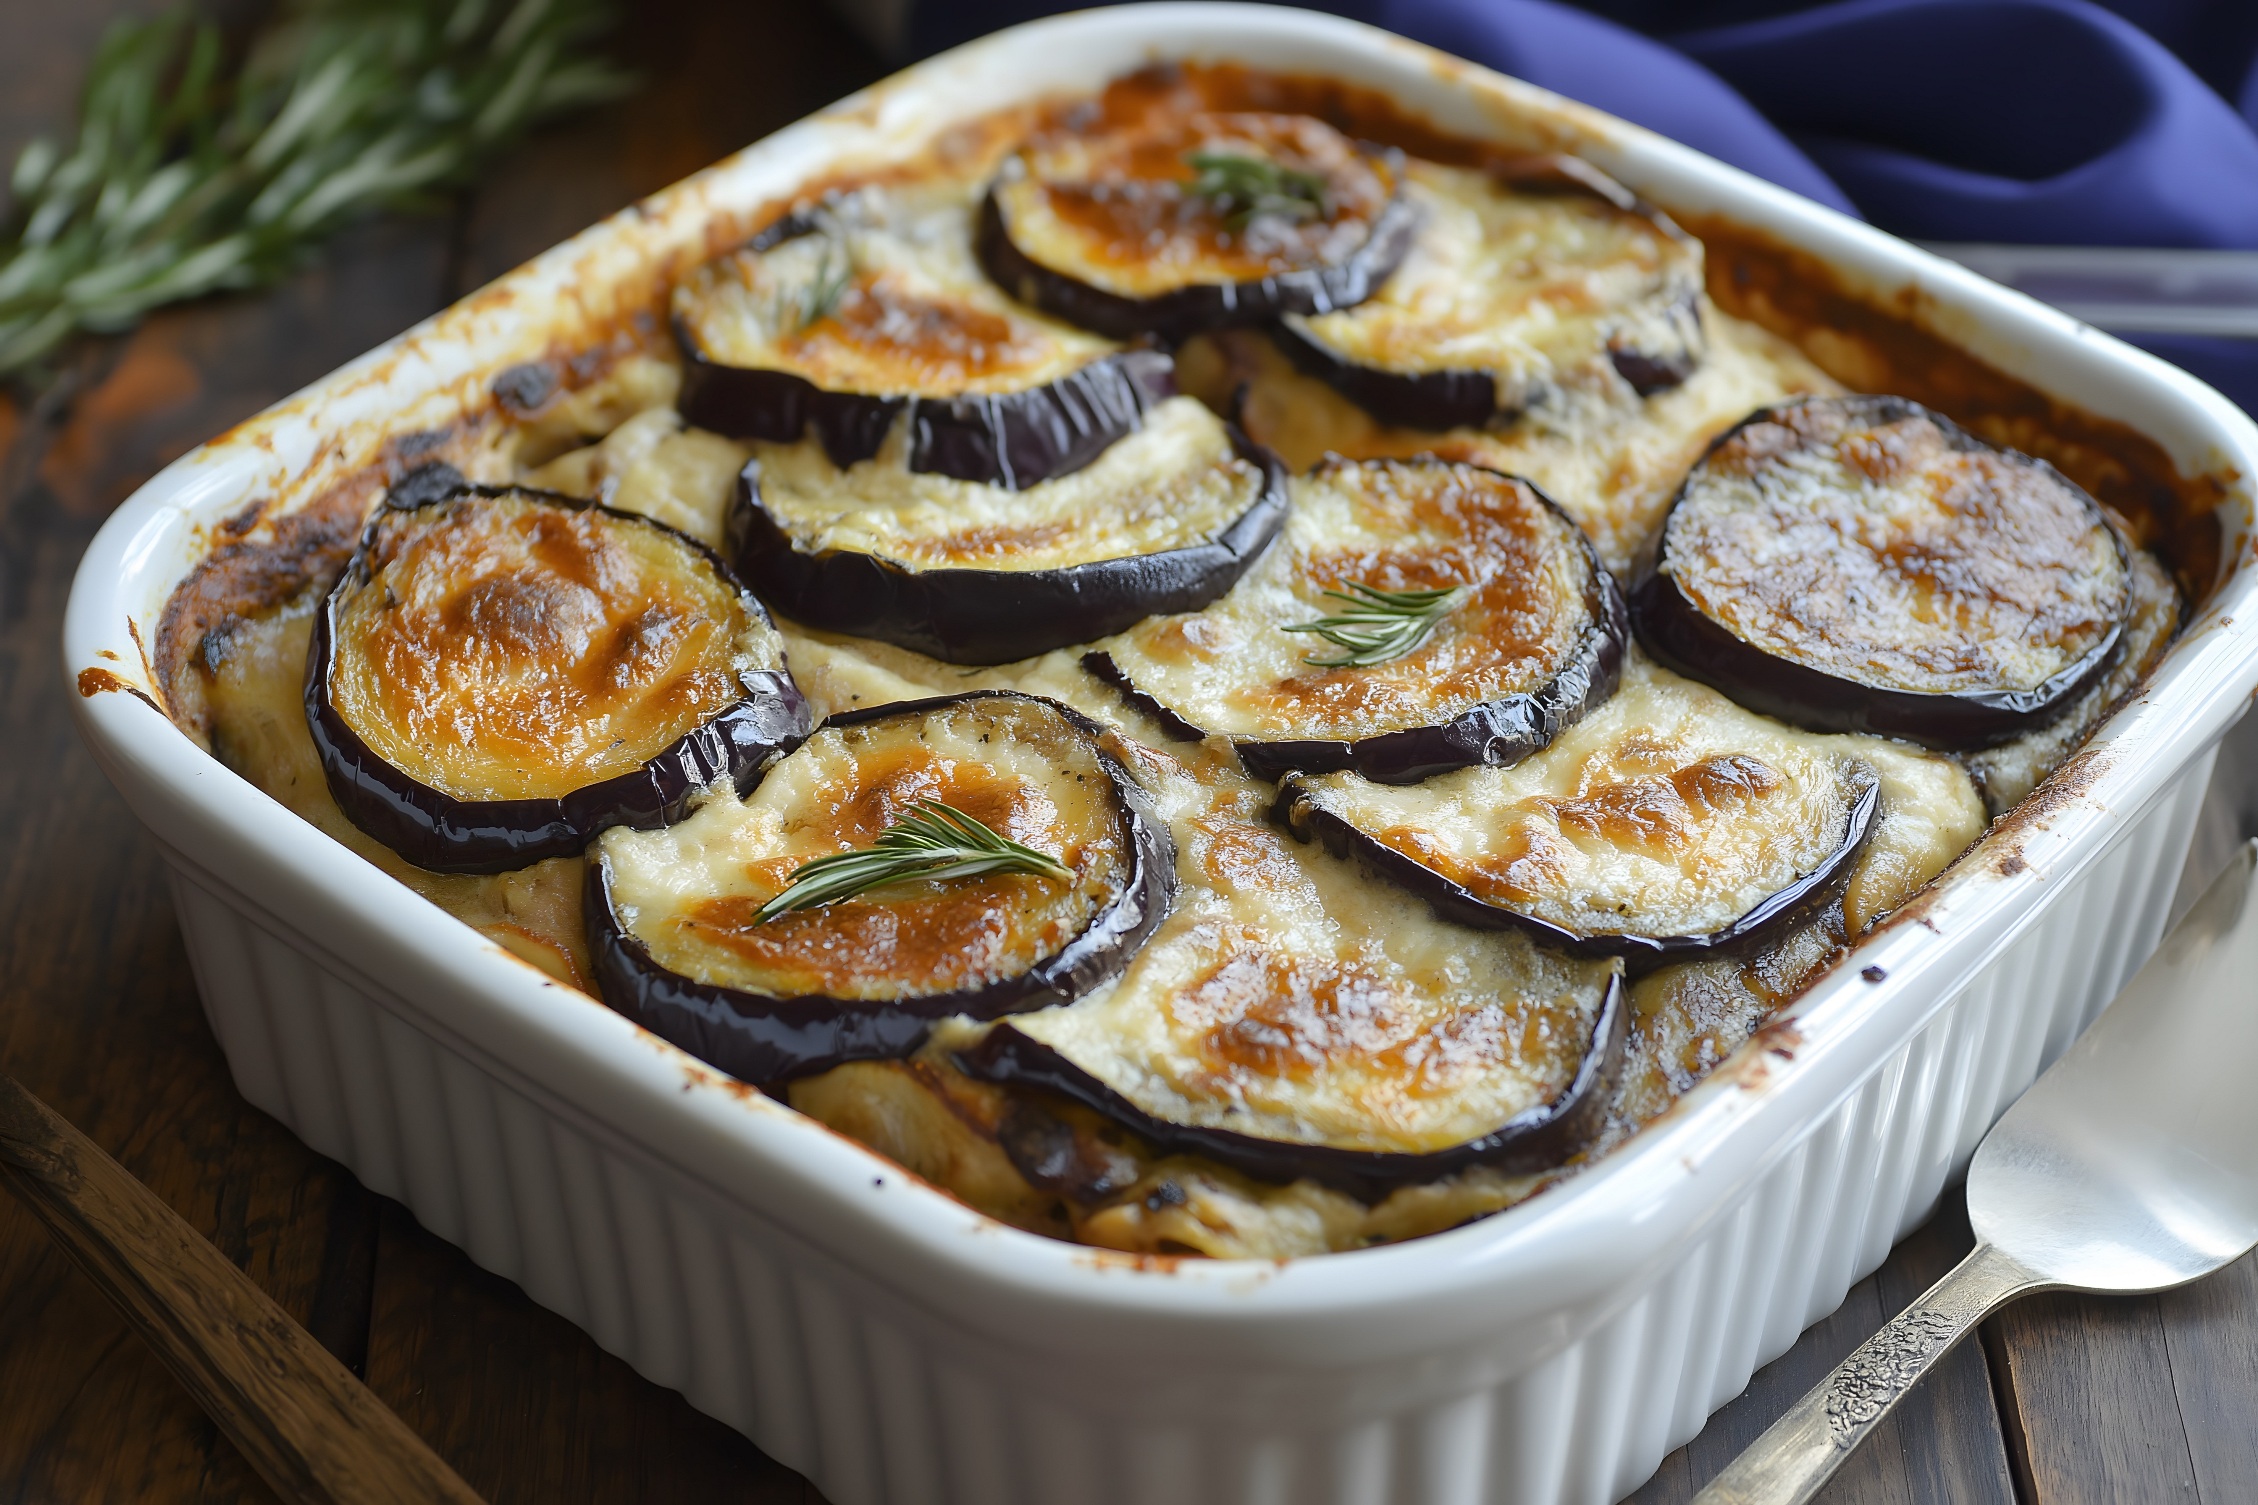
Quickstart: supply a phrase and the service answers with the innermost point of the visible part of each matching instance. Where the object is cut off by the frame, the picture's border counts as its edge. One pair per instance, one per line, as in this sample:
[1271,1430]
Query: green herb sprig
[190,175]
[816,298]
[1380,625]
[1252,187]
[929,840]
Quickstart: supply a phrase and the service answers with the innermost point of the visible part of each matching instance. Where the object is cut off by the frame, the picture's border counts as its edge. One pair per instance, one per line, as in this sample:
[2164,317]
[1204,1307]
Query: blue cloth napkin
[2030,121]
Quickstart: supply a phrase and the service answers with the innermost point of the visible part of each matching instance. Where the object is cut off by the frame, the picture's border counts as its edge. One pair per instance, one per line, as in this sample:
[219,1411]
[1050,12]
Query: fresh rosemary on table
[1379,625]
[929,840]
[1254,186]
[192,173]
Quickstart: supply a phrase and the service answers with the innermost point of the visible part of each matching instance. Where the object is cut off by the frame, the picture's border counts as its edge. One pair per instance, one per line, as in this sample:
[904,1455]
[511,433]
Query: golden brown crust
[1124,208]
[510,641]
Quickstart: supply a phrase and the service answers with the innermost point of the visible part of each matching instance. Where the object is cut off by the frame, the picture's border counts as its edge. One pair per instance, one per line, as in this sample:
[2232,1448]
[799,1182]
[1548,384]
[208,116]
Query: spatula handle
[1788,1464]
[300,1418]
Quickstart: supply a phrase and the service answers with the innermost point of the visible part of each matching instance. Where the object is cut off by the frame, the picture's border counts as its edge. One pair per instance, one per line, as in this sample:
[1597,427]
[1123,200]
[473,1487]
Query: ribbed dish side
[830,1377]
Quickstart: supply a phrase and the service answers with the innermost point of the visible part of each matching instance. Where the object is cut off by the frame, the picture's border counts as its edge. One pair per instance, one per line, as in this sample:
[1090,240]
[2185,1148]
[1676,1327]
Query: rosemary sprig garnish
[1254,186]
[815,299]
[191,175]
[1379,625]
[929,840]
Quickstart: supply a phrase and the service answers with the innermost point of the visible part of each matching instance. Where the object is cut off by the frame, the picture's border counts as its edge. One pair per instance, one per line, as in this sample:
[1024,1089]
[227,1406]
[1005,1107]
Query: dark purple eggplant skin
[997,616]
[1435,400]
[1439,400]
[443,834]
[1495,734]
[1678,635]
[745,403]
[1535,1140]
[1641,953]
[1649,373]
[765,1040]
[1177,316]
[1008,439]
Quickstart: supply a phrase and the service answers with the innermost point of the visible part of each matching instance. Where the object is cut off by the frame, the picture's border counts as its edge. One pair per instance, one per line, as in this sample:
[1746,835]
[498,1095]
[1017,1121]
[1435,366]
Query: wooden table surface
[2065,1401]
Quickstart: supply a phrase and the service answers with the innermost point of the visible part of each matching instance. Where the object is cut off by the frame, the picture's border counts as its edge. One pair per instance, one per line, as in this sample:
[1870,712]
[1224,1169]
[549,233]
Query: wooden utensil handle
[1802,1450]
[312,1431]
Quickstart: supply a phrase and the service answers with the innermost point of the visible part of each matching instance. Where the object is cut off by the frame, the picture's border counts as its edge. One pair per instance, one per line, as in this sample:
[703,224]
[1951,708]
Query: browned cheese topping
[1395,526]
[1119,210]
[505,648]
[882,297]
[691,893]
[1886,554]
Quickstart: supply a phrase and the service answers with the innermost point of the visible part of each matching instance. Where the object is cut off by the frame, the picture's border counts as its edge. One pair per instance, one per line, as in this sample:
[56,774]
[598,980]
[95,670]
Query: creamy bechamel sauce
[885,298]
[509,648]
[1174,483]
[1667,811]
[1527,603]
[1525,285]
[1117,210]
[691,893]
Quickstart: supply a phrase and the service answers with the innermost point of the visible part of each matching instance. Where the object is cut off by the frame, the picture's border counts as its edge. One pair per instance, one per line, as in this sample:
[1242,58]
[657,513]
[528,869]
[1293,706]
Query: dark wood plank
[2098,1418]
[97,1010]
[527,1407]
[312,1431]
[2211,1337]
[1944,1444]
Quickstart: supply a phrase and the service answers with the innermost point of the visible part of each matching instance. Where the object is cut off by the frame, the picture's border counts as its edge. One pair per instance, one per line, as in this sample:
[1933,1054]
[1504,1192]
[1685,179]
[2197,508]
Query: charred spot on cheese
[674,915]
[1535,639]
[1166,520]
[1670,823]
[501,674]
[1187,222]
[1862,564]
[1510,284]
[870,311]
[1270,1033]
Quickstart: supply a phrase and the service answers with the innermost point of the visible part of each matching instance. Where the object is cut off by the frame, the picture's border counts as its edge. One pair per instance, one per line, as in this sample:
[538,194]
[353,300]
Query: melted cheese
[1522,285]
[885,298]
[1233,667]
[1117,211]
[255,685]
[655,466]
[1612,460]
[1172,484]
[689,892]
[1668,811]
[2010,771]
[1288,999]
[508,648]
[1874,549]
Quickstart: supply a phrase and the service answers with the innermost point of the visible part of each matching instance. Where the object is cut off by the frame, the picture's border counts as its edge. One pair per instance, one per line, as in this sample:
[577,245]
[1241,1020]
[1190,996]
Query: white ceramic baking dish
[896,1347]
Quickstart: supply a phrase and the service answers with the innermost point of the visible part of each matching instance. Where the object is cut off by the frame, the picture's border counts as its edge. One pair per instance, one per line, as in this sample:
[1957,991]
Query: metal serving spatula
[2132,1166]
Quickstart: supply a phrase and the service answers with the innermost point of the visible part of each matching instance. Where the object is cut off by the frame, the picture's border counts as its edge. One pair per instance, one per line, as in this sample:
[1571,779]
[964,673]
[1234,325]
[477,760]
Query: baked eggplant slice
[1518,276]
[1294,1020]
[500,674]
[1166,520]
[1181,223]
[869,311]
[1529,634]
[1862,564]
[676,916]
[1668,825]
